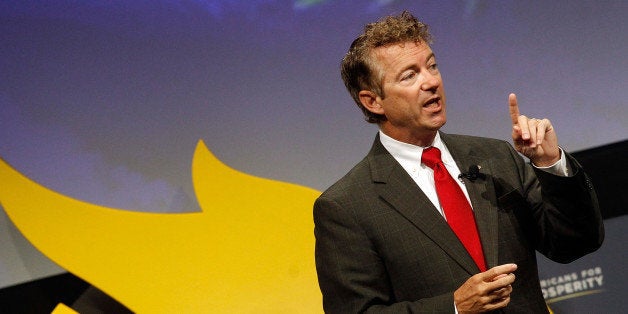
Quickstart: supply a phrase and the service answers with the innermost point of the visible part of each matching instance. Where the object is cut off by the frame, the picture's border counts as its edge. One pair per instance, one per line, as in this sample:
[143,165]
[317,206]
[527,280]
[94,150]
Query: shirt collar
[412,153]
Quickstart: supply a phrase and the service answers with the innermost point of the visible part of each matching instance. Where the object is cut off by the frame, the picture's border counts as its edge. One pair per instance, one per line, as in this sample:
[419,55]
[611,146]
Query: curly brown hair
[360,71]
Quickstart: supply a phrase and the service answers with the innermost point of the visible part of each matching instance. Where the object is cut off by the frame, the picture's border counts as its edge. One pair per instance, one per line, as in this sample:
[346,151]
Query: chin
[438,123]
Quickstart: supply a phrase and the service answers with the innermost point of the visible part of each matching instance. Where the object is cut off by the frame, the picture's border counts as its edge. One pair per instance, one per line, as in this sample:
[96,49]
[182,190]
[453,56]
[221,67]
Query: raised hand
[534,138]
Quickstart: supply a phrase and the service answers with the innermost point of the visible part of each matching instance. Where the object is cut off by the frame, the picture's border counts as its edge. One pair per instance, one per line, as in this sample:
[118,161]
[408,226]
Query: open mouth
[432,102]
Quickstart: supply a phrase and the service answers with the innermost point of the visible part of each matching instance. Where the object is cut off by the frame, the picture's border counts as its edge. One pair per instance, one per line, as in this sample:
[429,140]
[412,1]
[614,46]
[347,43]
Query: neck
[422,139]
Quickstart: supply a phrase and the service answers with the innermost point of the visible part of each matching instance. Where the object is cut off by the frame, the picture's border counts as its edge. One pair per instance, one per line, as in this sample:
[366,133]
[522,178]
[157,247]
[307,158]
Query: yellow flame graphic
[250,249]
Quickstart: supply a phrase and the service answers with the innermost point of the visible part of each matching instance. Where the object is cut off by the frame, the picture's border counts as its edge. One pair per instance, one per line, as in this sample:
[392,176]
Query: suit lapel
[397,188]
[481,192]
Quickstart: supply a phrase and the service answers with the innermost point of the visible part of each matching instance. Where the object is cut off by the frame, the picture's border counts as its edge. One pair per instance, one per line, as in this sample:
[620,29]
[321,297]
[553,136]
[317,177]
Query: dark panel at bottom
[43,295]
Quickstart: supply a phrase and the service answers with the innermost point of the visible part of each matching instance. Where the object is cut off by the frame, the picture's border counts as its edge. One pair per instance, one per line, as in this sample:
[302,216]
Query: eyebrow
[429,57]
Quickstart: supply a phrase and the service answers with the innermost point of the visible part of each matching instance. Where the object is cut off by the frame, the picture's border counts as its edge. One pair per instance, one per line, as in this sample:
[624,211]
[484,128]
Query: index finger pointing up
[514,108]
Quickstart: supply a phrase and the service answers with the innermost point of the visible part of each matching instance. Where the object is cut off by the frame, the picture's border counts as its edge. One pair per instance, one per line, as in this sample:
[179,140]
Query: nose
[431,82]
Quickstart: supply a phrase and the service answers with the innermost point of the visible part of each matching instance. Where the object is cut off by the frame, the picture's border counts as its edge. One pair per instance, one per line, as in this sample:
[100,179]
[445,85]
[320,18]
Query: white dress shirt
[409,156]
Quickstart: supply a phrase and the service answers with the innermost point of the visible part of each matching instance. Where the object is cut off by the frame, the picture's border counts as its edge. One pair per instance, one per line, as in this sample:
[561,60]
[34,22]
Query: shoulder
[356,179]
[477,144]
[472,140]
[360,180]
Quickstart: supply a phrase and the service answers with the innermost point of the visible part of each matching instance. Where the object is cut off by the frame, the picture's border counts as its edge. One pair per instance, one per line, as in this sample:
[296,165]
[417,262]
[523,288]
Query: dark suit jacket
[381,246]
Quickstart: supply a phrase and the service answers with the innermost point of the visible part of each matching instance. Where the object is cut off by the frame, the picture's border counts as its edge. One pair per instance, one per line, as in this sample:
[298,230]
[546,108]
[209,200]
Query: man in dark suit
[384,242]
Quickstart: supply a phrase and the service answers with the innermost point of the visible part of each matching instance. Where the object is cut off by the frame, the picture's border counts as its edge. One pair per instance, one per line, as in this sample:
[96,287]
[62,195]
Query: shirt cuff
[559,168]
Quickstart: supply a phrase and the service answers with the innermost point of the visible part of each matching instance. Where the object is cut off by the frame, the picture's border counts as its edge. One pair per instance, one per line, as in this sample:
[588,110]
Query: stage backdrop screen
[105,101]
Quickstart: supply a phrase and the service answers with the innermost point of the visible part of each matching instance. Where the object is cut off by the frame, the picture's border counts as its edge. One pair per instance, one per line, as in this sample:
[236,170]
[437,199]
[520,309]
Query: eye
[433,67]
[408,76]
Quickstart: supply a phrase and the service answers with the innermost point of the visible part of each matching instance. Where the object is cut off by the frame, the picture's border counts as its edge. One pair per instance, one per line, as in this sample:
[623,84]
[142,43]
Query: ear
[371,102]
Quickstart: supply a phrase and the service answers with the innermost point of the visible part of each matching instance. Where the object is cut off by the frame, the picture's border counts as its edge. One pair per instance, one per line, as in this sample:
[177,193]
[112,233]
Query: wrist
[547,161]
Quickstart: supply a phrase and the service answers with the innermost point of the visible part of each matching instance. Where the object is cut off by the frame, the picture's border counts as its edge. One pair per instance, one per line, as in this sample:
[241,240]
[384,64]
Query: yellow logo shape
[250,249]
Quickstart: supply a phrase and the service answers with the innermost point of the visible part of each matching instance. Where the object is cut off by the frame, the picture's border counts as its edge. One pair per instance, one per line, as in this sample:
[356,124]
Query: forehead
[399,56]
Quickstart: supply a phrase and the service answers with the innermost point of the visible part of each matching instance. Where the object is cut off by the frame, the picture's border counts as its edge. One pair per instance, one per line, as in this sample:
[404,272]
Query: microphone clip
[472,174]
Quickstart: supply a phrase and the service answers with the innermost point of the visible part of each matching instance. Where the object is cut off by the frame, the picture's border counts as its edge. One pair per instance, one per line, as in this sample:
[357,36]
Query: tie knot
[431,157]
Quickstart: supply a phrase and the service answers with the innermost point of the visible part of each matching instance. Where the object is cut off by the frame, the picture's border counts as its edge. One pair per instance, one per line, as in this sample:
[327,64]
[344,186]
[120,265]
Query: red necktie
[457,209]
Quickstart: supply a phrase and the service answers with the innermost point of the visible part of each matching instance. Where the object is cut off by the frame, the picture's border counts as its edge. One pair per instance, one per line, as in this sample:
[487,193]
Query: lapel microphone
[472,174]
